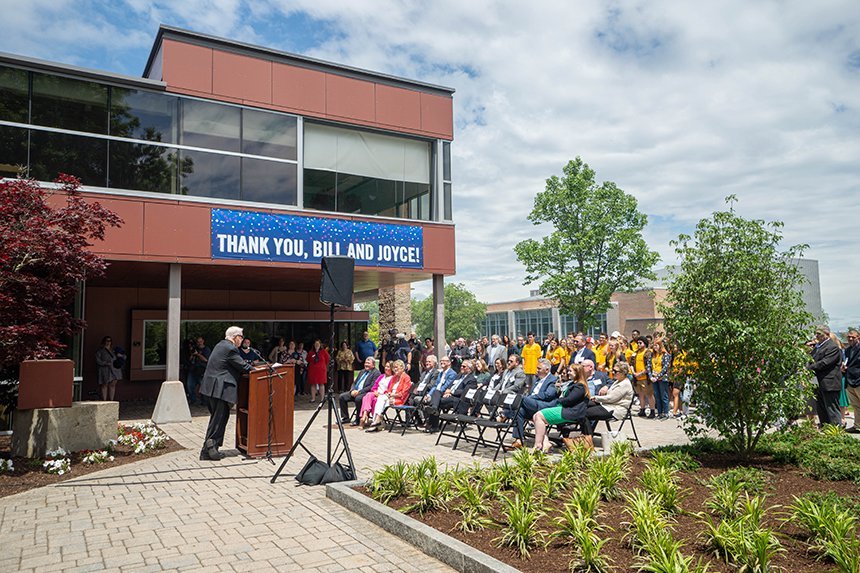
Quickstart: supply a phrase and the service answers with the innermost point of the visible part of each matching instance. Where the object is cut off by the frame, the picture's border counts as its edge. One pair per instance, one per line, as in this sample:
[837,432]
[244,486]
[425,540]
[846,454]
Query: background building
[636,310]
[235,169]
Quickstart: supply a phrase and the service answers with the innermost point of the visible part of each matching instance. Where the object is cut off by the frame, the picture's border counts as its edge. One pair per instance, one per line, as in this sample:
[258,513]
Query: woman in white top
[495,382]
[613,400]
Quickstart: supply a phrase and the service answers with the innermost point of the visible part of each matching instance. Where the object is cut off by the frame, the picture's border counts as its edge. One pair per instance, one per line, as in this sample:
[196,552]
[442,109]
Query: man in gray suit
[220,382]
[496,351]
[514,379]
[827,365]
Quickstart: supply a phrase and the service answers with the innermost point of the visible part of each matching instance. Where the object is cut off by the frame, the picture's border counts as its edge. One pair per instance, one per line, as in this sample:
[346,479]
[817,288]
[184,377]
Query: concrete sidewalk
[175,512]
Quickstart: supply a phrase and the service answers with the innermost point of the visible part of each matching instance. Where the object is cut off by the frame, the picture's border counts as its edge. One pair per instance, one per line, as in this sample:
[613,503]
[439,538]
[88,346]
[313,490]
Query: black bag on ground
[337,472]
[313,472]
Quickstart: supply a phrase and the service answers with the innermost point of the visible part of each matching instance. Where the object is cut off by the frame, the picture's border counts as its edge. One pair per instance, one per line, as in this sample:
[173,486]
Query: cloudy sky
[678,103]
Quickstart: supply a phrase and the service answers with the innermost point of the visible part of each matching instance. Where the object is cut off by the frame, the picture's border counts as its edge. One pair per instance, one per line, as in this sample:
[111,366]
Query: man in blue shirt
[362,385]
[365,348]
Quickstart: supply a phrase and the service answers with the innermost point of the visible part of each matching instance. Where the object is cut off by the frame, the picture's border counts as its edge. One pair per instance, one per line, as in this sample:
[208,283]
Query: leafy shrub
[648,519]
[432,493]
[675,460]
[520,531]
[743,541]
[832,531]
[748,479]
[725,498]
[664,556]
[579,457]
[390,482]
[587,546]
[660,482]
[824,456]
[585,498]
[841,503]
[472,520]
[607,472]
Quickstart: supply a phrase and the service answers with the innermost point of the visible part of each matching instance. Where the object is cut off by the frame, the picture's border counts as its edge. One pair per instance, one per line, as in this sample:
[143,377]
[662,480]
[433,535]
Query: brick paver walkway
[175,512]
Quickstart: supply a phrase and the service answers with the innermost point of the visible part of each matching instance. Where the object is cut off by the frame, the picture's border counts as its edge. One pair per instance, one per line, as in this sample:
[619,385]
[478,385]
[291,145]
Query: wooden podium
[252,412]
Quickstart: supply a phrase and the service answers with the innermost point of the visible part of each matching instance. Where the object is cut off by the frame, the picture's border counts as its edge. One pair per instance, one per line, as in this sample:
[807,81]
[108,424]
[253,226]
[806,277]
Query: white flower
[58,467]
[6,466]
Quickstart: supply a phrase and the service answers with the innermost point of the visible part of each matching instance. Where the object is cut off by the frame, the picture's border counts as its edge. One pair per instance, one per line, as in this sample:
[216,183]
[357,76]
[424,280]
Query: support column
[556,323]
[174,306]
[395,309]
[172,405]
[439,314]
[512,327]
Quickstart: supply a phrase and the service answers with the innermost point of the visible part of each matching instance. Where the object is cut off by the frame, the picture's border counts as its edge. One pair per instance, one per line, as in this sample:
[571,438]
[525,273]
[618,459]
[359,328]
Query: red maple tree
[43,256]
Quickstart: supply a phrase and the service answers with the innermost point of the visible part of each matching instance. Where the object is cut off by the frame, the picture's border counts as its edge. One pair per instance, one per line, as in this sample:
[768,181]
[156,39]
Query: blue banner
[253,236]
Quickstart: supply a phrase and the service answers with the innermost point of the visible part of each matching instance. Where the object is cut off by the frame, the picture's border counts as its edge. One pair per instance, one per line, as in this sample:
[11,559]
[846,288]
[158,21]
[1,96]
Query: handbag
[313,472]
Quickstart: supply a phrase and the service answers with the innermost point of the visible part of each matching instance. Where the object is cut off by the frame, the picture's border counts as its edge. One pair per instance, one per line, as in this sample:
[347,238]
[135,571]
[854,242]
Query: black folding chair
[473,397]
[511,401]
[628,417]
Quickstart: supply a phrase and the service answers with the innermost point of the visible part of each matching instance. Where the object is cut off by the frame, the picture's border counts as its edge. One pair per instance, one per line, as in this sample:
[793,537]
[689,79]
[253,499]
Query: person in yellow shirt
[600,349]
[532,352]
[638,360]
[556,354]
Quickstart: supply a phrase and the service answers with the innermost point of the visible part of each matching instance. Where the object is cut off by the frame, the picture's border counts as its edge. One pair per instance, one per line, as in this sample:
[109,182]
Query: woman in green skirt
[571,408]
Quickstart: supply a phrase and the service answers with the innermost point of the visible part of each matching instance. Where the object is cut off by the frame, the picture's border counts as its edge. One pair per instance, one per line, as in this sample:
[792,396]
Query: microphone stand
[272,371]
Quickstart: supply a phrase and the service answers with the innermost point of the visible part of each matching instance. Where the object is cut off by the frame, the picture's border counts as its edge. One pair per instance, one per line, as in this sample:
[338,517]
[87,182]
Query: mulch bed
[29,474]
[785,481]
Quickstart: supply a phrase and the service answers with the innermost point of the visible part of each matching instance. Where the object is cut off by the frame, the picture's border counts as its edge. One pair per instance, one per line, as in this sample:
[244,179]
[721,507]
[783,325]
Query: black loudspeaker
[336,286]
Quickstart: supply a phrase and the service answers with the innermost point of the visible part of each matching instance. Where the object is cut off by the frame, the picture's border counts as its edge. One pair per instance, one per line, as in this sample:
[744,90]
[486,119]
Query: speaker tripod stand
[332,457]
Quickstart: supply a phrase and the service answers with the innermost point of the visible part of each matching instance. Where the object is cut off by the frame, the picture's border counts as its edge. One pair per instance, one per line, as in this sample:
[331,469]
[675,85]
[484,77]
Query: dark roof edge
[287,57]
[99,75]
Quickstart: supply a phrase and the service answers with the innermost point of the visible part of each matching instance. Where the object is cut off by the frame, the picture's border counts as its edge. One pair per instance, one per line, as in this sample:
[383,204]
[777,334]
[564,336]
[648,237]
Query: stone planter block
[84,426]
[45,384]
[171,405]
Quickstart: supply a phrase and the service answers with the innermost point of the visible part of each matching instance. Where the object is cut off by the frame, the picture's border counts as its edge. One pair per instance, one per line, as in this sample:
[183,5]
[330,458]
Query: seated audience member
[594,378]
[362,385]
[614,399]
[514,379]
[451,398]
[572,407]
[425,383]
[433,395]
[368,403]
[482,373]
[495,381]
[543,394]
[395,394]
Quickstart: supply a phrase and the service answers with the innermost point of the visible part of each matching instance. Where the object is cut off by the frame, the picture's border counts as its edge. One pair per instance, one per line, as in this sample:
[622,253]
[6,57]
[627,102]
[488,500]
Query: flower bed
[668,511]
[134,442]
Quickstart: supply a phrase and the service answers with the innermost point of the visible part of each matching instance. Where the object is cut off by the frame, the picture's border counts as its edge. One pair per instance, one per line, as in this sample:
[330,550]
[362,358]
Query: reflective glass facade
[140,140]
[568,324]
[537,321]
[495,323]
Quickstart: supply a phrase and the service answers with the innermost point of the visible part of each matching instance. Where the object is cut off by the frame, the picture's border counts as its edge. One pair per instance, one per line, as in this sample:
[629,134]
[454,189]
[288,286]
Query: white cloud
[680,104]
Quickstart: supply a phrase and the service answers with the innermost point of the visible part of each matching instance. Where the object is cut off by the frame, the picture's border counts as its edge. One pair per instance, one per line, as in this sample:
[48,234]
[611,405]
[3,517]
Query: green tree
[463,314]
[372,308]
[734,309]
[595,247]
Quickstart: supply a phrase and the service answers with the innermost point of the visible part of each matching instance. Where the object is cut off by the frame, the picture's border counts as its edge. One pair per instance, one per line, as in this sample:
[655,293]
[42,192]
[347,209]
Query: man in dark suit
[362,385]
[220,382]
[827,365]
[851,369]
[434,395]
[425,383]
[582,351]
[543,394]
[462,384]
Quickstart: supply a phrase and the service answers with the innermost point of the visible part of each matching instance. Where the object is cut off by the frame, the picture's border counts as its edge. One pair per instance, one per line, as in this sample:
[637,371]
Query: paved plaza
[176,513]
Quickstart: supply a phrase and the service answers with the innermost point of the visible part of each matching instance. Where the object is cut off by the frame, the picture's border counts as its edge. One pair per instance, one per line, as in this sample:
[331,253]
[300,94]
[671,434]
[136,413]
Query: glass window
[537,321]
[448,207]
[143,115]
[209,174]
[366,195]
[210,125]
[568,324]
[142,167]
[13,150]
[14,94]
[269,134]
[495,323]
[154,343]
[446,160]
[269,181]
[319,192]
[69,104]
[83,157]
